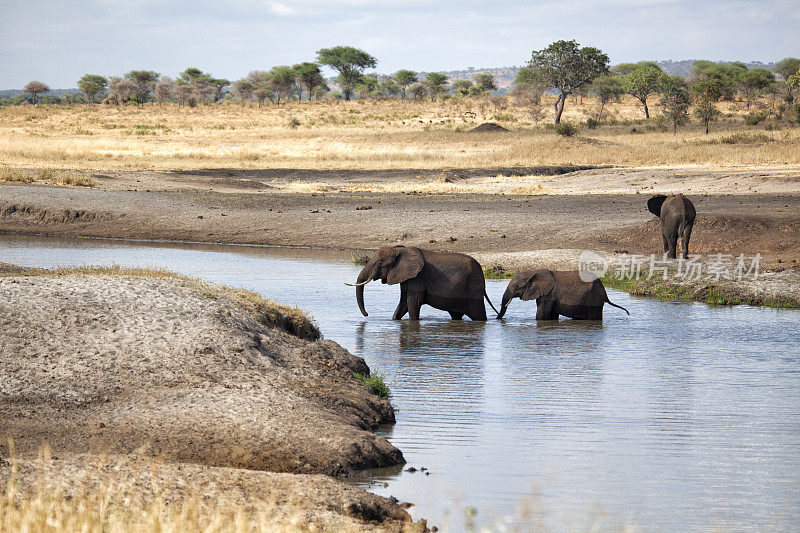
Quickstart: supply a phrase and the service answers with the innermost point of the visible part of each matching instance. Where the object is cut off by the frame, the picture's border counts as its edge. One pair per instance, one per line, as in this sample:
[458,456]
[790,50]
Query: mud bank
[116,363]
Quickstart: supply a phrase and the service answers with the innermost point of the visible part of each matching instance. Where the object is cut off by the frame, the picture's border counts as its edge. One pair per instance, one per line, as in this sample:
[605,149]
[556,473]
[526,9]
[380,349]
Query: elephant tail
[609,302]
[490,302]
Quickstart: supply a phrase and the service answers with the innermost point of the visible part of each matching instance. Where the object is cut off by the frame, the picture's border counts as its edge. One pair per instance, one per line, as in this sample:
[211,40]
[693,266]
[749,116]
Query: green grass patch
[360,258]
[697,292]
[375,384]
[497,272]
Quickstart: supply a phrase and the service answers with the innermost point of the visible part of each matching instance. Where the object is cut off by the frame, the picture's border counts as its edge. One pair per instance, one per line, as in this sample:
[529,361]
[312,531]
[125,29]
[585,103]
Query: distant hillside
[11,93]
[504,76]
[684,68]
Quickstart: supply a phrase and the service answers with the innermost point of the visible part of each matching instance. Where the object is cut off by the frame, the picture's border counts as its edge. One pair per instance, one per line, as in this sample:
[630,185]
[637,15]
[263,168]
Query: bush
[753,118]
[293,123]
[375,384]
[592,123]
[505,117]
[566,129]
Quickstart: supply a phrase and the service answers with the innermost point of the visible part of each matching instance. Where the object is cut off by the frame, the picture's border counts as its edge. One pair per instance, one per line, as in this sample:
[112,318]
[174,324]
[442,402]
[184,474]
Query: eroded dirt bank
[185,372]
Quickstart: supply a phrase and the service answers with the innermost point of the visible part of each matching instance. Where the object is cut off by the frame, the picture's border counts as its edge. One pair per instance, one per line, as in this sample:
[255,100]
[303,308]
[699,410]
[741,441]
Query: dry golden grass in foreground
[371,135]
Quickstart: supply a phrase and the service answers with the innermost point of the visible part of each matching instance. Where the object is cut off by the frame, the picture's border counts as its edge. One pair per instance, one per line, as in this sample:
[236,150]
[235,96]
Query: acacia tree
[417,90]
[607,88]
[462,86]
[567,67]
[349,62]
[243,90]
[91,85]
[282,82]
[676,99]
[485,82]
[120,90]
[754,82]
[145,81]
[308,77]
[707,91]
[404,78]
[643,80]
[165,87]
[34,88]
[436,84]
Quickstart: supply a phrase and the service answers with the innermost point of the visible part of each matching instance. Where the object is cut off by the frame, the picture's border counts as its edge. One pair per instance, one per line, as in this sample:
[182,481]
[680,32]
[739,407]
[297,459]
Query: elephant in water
[448,281]
[677,214]
[559,293]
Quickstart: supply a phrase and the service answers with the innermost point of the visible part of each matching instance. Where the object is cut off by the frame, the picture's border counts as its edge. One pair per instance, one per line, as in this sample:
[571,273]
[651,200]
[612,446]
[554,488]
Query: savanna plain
[330,174]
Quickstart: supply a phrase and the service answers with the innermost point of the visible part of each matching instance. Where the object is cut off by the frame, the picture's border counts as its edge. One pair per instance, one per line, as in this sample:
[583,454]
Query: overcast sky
[59,41]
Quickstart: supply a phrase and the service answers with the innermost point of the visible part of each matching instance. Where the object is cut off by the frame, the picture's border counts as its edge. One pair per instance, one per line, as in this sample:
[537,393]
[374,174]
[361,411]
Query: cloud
[280,9]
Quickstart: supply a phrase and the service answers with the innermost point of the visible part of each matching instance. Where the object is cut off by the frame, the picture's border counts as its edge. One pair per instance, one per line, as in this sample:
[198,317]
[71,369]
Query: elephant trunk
[363,277]
[504,304]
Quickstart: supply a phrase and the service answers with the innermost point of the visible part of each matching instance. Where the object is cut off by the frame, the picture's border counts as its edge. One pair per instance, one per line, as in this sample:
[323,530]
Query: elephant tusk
[357,284]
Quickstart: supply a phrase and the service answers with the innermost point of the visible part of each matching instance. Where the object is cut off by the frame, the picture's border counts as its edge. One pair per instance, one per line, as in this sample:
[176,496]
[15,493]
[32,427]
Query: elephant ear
[408,264]
[654,204]
[541,283]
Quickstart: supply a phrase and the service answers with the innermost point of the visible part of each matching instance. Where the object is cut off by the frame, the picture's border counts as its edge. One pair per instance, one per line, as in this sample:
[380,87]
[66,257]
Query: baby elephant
[559,293]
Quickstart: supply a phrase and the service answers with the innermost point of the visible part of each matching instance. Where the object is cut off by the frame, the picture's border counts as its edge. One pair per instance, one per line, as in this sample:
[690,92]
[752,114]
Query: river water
[680,417]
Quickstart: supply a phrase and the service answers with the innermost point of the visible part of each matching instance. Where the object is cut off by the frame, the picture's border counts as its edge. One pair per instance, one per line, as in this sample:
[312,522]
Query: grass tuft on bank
[710,293]
[290,319]
[61,178]
[375,384]
[497,272]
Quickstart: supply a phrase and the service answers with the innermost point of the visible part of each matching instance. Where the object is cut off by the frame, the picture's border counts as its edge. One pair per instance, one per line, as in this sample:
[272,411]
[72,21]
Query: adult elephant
[676,214]
[558,293]
[448,281]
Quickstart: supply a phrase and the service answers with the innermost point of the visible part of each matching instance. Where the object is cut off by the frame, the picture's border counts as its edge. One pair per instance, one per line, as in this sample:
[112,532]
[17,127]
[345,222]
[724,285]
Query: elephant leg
[672,242]
[414,302]
[687,233]
[456,316]
[477,311]
[594,312]
[402,306]
[546,310]
[664,242]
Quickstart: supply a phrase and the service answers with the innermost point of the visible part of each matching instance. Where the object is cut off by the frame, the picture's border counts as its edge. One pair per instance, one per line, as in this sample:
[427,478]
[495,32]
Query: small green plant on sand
[360,258]
[375,384]
[497,272]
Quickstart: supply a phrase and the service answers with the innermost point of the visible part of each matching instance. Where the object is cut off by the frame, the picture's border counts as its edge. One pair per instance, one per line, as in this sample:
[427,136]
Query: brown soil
[764,220]
[488,127]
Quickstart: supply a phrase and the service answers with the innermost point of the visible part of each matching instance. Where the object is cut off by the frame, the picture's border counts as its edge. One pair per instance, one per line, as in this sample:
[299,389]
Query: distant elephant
[448,281]
[558,293]
[677,214]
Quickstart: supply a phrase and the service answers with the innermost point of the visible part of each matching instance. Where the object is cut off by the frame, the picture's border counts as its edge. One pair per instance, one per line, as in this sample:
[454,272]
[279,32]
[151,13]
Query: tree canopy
[349,62]
[34,88]
[91,85]
[567,67]
[642,80]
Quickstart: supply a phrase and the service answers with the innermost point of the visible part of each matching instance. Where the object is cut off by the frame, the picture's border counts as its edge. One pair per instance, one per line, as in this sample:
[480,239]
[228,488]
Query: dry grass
[47,175]
[291,319]
[364,134]
[111,506]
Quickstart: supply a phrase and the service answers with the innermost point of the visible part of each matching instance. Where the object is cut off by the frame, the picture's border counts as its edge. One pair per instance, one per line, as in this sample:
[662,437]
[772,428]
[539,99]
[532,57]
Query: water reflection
[679,417]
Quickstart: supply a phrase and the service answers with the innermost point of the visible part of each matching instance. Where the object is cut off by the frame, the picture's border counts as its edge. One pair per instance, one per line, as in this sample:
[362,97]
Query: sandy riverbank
[204,380]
